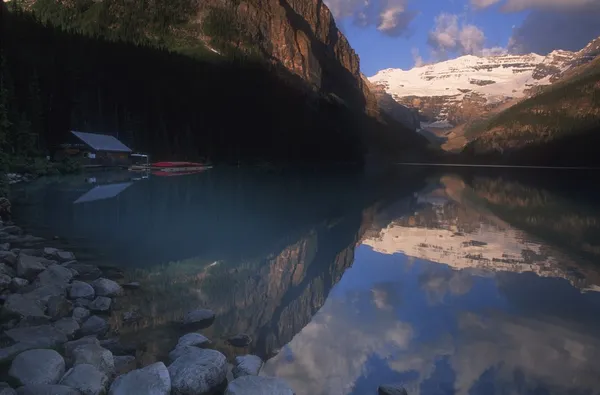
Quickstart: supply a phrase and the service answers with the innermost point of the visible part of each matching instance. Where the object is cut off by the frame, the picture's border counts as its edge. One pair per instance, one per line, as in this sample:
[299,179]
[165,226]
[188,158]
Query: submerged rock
[47,389]
[37,367]
[391,390]
[199,318]
[152,380]
[258,385]
[198,372]
[247,365]
[80,289]
[241,340]
[193,339]
[87,379]
[106,287]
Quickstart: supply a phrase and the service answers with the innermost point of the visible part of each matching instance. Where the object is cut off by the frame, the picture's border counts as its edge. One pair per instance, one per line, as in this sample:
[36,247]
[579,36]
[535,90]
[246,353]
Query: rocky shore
[56,339]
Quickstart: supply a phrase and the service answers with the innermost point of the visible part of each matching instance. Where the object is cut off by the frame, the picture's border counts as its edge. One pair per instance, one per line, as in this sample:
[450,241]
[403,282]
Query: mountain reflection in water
[447,283]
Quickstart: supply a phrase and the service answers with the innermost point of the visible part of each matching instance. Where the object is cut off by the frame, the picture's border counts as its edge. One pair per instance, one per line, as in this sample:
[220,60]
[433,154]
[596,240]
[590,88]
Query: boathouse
[95,150]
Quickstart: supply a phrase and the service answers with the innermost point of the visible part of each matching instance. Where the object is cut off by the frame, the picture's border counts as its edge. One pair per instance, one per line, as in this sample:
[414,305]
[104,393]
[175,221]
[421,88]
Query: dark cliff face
[302,36]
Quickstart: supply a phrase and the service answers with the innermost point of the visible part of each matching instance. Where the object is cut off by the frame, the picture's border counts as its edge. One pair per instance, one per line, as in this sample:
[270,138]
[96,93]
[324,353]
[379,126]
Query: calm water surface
[448,282]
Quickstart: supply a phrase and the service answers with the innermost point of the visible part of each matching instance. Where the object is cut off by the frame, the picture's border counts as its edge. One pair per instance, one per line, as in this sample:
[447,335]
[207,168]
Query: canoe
[177,164]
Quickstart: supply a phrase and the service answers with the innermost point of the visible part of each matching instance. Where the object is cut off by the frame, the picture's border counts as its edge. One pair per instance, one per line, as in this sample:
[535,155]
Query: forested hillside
[76,67]
[558,126]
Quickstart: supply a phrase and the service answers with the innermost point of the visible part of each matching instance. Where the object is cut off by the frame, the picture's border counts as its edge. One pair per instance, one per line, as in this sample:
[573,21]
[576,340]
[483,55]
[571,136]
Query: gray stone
[55,274]
[241,340]
[79,289]
[258,385]
[17,304]
[391,390]
[198,372]
[49,251]
[43,293]
[124,364]
[58,307]
[106,287]
[72,345]
[5,282]
[33,321]
[69,326]
[64,256]
[247,365]
[200,318]
[37,367]
[40,336]
[193,339]
[7,270]
[152,380]
[4,246]
[81,302]
[47,389]
[29,266]
[8,257]
[180,351]
[32,252]
[18,283]
[95,355]
[80,314]
[86,271]
[9,353]
[87,379]
[94,326]
[100,304]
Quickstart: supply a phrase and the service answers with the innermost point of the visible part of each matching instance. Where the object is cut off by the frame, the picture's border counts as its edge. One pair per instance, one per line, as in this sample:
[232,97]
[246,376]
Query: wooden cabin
[95,150]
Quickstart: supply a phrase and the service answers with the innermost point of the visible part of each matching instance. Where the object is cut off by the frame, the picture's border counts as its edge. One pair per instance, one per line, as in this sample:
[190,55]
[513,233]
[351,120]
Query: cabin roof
[102,142]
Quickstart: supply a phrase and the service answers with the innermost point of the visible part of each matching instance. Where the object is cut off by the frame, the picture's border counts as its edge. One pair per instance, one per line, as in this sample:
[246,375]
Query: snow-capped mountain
[455,91]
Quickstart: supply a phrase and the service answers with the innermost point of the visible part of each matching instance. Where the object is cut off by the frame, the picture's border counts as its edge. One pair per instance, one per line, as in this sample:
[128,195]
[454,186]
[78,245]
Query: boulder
[87,379]
[124,364]
[81,302]
[8,257]
[247,365]
[40,336]
[100,304]
[55,274]
[258,385]
[29,267]
[37,367]
[198,372]
[69,326]
[201,318]
[193,339]
[106,287]
[58,307]
[33,321]
[47,389]
[95,355]
[152,380]
[4,246]
[79,289]
[43,293]
[72,345]
[7,270]
[64,256]
[392,389]
[5,282]
[18,305]
[80,314]
[86,271]
[181,351]
[94,326]
[241,340]
[18,283]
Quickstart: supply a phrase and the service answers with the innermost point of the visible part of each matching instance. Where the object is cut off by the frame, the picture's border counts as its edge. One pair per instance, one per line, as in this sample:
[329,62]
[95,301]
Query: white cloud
[519,5]
[389,16]
[450,36]
[416,54]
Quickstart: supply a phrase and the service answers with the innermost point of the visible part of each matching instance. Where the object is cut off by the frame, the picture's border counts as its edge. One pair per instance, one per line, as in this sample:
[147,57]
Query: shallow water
[479,282]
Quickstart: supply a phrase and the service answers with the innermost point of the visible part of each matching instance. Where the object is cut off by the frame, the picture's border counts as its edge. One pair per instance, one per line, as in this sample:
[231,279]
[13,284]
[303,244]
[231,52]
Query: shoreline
[56,335]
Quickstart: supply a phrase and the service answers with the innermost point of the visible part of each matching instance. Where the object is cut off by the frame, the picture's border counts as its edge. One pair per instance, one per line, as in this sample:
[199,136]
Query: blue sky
[401,33]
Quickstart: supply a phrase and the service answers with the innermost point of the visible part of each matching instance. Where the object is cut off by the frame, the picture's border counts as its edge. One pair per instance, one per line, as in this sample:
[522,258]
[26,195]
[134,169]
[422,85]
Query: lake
[449,281]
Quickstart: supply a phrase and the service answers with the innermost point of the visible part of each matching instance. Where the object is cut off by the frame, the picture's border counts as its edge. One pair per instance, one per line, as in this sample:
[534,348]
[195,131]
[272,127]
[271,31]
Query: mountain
[282,67]
[463,90]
